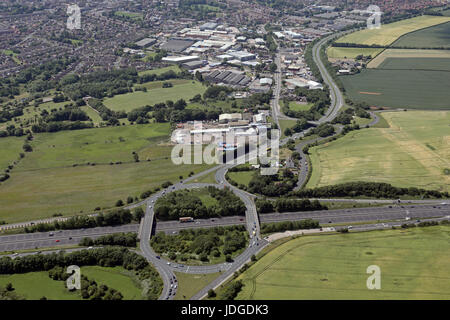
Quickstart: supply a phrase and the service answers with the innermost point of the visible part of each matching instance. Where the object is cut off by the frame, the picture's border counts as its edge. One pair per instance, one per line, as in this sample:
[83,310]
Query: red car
[56,240]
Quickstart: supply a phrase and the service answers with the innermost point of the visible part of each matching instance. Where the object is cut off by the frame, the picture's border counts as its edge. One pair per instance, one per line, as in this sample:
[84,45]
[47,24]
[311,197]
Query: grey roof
[177,45]
[223,75]
[146,41]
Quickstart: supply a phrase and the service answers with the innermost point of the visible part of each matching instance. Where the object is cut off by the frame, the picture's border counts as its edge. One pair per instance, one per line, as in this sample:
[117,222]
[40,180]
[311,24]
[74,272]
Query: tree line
[113,218]
[289,225]
[368,189]
[288,205]
[116,239]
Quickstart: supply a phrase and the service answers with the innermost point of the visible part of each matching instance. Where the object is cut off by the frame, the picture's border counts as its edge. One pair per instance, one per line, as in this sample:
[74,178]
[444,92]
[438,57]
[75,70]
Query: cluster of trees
[184,204]
[288,205]
[105,257]
[231,291]
[37,78]
[217,92]
[201,244]
[368,189]
[7,115]
[423,224]
[289,225]
[113,218]
[60,126]
[93,291]
[319,98]
[299,126]
[69,113]
[271,185]
[99,84]
[116,239]
[323,130]
[7,293]
[89,288]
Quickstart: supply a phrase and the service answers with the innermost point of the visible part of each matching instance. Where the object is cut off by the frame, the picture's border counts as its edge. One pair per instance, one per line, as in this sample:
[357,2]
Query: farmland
[351,53]
[56,176]
[388,33]
[414,266]
[182,89]
[410,53]
[414,89]
[413,152]
[432,37]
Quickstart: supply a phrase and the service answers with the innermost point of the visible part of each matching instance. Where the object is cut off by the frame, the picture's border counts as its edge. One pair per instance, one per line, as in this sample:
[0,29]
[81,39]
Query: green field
[413,263]
[410,54]
[432,37]
[295,106]
[284,124]
[351,53]
[242,177]
[34,285]
[182,89]
[190,284]
[434,64]
[10,147]
[118,278]
[160,70]
[46,182]
[413,152]
[415,89]
[388,33]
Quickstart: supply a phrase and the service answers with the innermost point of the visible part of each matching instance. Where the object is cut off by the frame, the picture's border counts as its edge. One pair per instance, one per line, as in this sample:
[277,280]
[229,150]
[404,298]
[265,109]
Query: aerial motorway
[366,218]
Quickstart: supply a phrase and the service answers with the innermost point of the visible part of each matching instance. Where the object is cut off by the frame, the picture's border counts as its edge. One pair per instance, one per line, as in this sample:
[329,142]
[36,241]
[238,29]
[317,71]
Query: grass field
[181,90]
[413,263]
[432,37]
[117,278]
[160,70]
[434,64]
[242,177]
[407,54]
[34,285]
[190,284]
[415,89]
[295,106]
[351,53]
[388,33]
[10,147]
[46,182]
[284,124]
[413,152]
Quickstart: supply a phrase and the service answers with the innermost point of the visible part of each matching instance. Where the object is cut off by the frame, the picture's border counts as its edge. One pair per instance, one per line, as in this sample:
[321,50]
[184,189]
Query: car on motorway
[57,240]
[51,234]
[168,263]
[350,227]
[15,254]
[70,238]
[158,257]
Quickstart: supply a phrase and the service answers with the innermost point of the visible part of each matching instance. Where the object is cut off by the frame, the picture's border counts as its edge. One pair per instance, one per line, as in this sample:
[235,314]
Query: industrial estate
[330,138]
